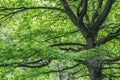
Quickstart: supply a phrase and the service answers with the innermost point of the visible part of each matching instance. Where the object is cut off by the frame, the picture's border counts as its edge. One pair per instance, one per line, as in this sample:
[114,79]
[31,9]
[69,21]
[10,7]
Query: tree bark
[95,73]
[95,69]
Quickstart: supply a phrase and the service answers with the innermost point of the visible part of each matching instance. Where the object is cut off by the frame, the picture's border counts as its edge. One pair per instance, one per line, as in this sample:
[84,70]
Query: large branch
[68,44]
[81,25]
[34,64]
[7,12]
[61,70]
[73,49]
[103,15]
[66,68]
[69,11]
[109,37]
[112,76]
[110,61]
[30,8]
[100,2]
[82,13]
[63,35]
[96,13]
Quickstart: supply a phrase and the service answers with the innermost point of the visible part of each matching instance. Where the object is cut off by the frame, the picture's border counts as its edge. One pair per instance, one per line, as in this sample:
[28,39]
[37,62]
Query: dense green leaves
[29,28]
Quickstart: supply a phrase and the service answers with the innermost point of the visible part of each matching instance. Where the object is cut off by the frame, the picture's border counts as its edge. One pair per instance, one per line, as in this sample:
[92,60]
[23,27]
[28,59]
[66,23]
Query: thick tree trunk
[95,74]
[61,77]
[95,69]
[90,43]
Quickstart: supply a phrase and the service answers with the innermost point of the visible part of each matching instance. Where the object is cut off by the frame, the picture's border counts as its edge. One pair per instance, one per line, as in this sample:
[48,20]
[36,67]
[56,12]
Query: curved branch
[61,70]
[103,15]
[110,61]
[9,12]
[100,3]
[72,49]
[63,35]
[112,75]
[67,44]
[34,64]
[96,13]
[109,37]
[84,10]
[69,11]
[30,8]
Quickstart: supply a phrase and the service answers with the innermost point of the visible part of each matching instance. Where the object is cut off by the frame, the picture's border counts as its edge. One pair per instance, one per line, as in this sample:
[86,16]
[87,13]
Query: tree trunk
[95,69]
[95,74]
[61,77]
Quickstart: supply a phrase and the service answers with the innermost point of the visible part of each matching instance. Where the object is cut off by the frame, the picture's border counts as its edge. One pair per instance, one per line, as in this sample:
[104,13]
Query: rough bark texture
[95,69]
[95,73]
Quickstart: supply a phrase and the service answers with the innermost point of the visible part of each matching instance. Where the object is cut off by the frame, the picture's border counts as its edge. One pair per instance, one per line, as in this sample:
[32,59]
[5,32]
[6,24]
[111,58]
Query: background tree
[38,34]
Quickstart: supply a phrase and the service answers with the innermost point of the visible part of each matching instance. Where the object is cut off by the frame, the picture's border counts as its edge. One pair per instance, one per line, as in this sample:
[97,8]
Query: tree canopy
[70,39]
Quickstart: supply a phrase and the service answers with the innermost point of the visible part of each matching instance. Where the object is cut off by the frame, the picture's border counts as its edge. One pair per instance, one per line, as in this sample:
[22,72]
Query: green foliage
[27,36]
